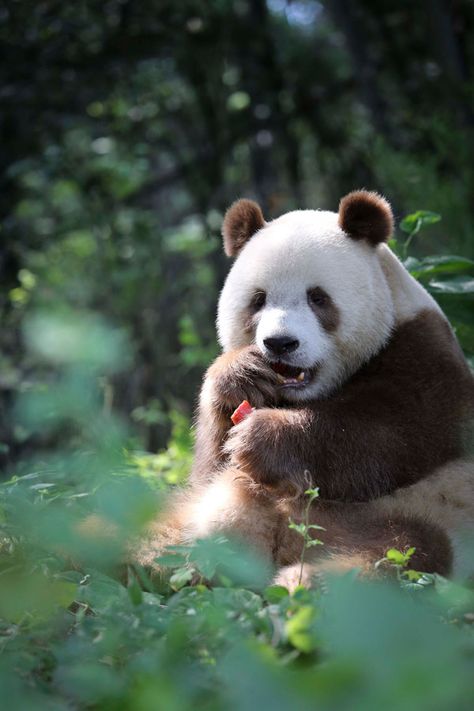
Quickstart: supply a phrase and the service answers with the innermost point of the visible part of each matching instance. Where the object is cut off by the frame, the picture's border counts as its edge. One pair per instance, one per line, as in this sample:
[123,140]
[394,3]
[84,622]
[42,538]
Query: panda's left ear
[242,220]
[366,215]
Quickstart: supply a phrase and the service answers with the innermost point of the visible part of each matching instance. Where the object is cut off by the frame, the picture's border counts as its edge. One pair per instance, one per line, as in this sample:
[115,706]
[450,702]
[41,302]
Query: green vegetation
[81,628]
[128,128]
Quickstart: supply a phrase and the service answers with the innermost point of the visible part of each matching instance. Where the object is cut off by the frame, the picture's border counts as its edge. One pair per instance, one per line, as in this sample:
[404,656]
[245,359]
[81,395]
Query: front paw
[257,447]
[242,375]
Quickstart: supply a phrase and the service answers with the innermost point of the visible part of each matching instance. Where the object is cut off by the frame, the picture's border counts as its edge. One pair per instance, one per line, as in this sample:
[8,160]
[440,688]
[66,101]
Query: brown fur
[392,424]
[366,215]
[242,220]
[396,420]
[352,535]
[233,377]
[355,537]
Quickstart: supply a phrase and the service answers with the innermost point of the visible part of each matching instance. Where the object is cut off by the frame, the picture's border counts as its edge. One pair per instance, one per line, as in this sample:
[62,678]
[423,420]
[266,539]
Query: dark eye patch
[256,303]
[324,308]
[318,297]
[258,300]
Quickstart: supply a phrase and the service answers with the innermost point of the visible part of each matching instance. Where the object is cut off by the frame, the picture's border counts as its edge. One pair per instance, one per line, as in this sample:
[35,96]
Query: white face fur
[286,259]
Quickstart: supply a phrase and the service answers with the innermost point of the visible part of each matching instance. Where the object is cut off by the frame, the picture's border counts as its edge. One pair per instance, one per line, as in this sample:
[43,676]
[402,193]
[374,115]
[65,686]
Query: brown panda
[358,385]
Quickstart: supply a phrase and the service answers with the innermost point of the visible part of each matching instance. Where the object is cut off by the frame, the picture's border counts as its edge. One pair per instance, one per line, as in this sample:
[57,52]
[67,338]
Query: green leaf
[431,266]
[298,527]
[99,591]
[412,264]
[181,577]
[230,560]
[397,557]
[299,629]
[63,592]
[313,542]
[172,560]
[457,285]
[275,593]
[416,220]
[33,595]
[134,591]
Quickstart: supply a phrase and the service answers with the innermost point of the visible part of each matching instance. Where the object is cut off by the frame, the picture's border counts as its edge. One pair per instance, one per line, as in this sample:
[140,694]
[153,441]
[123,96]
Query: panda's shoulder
[425,347]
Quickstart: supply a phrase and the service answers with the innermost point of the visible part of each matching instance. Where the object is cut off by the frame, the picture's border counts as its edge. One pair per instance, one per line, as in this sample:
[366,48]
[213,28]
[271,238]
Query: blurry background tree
[128,127]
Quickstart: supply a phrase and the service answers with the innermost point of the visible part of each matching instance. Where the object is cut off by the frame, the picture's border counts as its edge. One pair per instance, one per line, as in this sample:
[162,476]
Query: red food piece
[243,410]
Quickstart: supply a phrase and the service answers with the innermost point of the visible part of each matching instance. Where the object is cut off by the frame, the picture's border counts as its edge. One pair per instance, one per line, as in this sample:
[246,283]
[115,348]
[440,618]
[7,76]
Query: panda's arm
[353,451]
[233,377]
[286,449]
[212,424]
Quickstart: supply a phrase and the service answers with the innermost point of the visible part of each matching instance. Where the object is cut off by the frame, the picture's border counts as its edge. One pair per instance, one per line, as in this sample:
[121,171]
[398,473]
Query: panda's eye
[317,297]
[258,300]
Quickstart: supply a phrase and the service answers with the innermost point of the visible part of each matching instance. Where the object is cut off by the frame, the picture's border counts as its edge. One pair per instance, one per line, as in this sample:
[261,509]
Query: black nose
[281,345]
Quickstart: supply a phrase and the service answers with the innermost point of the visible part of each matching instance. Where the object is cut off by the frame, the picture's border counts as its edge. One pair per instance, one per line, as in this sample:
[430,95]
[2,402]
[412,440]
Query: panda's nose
[281,345]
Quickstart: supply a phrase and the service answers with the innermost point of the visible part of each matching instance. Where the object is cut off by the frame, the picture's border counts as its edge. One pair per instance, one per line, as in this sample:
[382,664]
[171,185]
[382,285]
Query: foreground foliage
[82,639]
[79,628]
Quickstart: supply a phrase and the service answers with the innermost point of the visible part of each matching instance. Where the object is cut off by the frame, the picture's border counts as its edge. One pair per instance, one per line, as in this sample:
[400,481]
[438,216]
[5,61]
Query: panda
[358,387]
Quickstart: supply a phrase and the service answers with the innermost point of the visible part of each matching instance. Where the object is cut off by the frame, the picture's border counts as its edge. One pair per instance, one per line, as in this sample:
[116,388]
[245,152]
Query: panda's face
[314,301]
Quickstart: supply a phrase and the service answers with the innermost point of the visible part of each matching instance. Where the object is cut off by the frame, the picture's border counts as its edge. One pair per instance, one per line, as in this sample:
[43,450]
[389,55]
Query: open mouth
[291,376]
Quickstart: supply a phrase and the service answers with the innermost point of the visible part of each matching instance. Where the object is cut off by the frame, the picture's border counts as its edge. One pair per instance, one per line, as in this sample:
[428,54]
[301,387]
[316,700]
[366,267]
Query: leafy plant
[413,223]
[400,562]
[449,278]
[304,528]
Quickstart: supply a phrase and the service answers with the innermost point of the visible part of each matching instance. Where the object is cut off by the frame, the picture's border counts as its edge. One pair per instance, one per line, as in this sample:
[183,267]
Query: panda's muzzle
[290,376]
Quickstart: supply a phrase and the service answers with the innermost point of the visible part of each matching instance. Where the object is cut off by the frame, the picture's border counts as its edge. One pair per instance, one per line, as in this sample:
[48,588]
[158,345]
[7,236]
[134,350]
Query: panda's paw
[251,447]
[243,375]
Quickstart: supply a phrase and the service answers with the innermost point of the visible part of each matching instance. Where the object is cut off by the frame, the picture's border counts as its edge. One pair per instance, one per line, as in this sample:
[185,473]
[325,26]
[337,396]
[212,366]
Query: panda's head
[308,289]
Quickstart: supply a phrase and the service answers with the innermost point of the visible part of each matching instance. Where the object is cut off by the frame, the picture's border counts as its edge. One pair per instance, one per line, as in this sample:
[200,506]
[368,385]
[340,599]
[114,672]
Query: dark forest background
[129,127]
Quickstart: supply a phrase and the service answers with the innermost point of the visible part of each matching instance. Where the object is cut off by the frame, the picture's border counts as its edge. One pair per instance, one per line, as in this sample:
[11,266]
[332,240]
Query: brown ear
[364,215]
[242,220]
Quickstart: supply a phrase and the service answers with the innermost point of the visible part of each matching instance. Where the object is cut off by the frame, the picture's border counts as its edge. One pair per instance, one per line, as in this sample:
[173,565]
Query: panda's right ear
[242,220]
[366,216]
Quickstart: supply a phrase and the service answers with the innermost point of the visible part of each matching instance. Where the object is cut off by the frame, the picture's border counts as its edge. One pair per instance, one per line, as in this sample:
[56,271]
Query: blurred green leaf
[181,577]
[275,593]
[76,338]
[457,285]
[300,629]
[135,591]
[431,266]
[416,220]
[33,597]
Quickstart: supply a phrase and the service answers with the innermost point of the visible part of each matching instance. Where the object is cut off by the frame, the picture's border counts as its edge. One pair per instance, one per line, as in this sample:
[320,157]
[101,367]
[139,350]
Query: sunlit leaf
[299,629]
[181,577]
